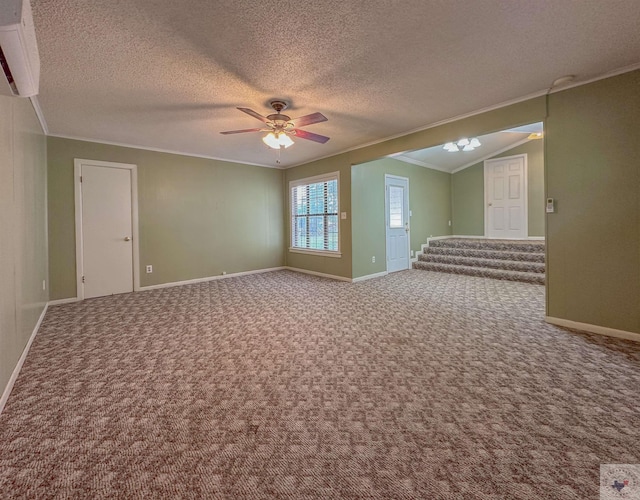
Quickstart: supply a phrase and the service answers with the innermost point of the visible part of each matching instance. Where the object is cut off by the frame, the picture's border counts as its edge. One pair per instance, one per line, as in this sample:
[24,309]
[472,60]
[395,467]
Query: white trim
[434,238]
[77,170]
[504,104]
[603,76]
[316,179]
[490,156]
[316,273]
[36,107]
[18,367]
[321,253]
[160,150]
[525,193]
[475,237]
[303,181]
[480,111]
[413,161]
[209,278]
[69,300]
[600,330]
[369,277]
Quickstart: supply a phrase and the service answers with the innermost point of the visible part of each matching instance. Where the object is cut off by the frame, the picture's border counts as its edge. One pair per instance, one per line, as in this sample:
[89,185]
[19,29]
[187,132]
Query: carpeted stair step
[500,274]
[484,254]
[488,244]
[508,265]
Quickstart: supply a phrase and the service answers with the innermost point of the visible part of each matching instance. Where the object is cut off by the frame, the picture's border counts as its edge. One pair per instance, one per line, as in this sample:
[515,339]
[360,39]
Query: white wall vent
[18,48]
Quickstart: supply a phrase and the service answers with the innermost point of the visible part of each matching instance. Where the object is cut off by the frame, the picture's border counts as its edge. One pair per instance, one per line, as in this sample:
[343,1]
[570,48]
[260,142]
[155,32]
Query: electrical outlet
[44,284]
[449,223]
[149,269]
[373,259]
[224,273]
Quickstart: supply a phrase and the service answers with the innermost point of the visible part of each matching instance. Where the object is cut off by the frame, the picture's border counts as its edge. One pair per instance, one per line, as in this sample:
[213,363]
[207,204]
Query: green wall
[467,192]
[467,201]
[336,266]
[521,113]
[592,162]
[429,202]
[23,229]
[593,172]
[197,217]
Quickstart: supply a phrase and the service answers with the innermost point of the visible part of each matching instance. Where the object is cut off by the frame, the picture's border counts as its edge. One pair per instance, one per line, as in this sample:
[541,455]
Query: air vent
[7,73]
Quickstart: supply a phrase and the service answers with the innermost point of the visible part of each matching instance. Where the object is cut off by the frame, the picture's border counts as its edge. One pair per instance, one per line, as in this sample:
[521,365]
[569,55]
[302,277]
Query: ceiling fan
[282,127]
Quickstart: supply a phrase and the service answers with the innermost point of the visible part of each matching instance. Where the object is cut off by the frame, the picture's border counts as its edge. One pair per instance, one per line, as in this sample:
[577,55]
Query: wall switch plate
[449,223]
[44,284]
[149,269]
[343,215]
[411,253]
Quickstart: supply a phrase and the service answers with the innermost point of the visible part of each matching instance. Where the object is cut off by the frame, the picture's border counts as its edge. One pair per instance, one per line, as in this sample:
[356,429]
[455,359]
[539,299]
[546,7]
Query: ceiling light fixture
[463,144]
[277,140]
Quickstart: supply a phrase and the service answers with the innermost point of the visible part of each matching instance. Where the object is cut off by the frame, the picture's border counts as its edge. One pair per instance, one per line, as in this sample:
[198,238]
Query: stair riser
[485,254]
[534,278]
[529,267]
[490,245]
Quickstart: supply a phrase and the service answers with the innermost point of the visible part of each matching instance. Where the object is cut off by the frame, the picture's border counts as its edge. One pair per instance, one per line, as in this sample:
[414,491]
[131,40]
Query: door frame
[525,193]
[386,221]
[77,169]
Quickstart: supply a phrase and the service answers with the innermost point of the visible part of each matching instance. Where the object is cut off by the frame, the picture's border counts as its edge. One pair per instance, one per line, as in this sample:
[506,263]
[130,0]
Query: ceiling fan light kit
[281,127]
[463,144]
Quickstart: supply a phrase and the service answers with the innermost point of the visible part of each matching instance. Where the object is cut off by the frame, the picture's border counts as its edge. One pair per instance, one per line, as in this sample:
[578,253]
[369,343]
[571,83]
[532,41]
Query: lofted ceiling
[491,144]
[169,75]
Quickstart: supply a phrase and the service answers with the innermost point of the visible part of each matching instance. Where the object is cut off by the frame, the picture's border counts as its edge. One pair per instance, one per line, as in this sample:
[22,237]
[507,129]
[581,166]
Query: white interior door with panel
[397,222]
[505,181]
[106,228]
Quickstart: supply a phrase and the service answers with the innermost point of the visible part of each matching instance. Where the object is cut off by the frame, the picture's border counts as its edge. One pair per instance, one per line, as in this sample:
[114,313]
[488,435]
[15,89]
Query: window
[315,215]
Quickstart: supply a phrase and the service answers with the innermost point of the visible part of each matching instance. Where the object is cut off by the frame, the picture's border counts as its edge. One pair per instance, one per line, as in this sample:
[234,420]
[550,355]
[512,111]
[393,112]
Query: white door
[397,222]
[106,232]
[506,197]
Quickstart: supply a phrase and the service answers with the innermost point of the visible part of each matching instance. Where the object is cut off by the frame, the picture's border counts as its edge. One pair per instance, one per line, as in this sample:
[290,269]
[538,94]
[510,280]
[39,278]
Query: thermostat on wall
[551,206]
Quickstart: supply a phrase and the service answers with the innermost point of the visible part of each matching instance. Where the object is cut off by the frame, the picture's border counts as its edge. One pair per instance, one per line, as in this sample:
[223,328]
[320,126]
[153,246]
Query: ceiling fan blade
[305,120]
[303,134]
[241,131]
[254,114]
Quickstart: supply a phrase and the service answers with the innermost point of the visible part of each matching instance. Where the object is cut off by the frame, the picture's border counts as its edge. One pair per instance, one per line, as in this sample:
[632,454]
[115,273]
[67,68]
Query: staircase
[514,260]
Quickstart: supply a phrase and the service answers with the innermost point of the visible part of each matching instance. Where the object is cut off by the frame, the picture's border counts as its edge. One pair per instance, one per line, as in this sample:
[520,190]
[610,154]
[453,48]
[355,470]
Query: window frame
[316,179]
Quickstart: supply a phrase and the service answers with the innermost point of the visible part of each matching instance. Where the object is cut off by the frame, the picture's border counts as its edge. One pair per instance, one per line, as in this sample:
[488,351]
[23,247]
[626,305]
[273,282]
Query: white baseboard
[446,237]
[600,330]
[369,276]
[210,278]
[63,301]
[315,273]
[16,371]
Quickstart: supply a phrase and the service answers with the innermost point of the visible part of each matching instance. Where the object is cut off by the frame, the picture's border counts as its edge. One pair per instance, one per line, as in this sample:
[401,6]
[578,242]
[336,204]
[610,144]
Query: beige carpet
[281,385]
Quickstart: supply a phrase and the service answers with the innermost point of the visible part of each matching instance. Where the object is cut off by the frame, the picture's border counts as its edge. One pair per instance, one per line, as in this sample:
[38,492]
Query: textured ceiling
[169,74]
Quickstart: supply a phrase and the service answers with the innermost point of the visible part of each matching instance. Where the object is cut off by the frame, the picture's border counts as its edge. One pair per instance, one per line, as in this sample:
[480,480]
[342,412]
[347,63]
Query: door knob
[127,238]
[490,204]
